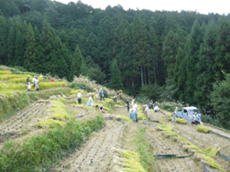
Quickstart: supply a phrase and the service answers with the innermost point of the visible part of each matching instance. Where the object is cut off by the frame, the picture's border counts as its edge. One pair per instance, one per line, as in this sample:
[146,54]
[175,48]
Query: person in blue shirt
[102,97]
[133,115]
[196,118]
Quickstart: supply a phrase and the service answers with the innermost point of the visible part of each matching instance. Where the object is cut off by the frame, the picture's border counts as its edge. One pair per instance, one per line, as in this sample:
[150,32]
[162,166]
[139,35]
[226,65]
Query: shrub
[50,123]
[109,103]
[203,129]
[181,121]
[141,116]
[220,101]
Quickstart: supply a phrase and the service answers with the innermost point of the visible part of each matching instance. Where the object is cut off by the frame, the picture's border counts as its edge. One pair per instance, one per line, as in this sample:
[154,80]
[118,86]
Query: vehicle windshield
[192,111]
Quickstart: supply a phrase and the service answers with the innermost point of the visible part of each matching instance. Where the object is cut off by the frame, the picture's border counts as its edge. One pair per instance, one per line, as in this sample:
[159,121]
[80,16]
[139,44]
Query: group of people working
[35,82]
[133,110]
[195,118]
[90,99]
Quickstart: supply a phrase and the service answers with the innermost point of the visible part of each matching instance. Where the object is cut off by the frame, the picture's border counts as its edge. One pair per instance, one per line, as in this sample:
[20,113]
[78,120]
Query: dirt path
[97,154]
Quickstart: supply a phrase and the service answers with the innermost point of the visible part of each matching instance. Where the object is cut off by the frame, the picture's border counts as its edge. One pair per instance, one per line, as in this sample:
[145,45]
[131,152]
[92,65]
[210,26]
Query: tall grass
[7,77]
[91,85]
[44,85]
[4,72]
[12,86]
[22,80]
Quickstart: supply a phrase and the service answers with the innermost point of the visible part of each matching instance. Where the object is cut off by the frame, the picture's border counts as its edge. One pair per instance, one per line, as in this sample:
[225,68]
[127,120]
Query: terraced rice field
[98,153]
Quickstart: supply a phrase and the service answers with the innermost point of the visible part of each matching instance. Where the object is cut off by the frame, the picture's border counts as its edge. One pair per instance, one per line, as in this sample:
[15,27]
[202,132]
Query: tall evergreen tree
[59,65]
[47,42]
[116,82]
[10,46]
[84,68]
[104,46]
[155,49]
[64,38]
[222,59]
[19,49]
[140,47]
[204,67]
[169,51]
[76,63]
[30,62]
[3,38]
[192,54]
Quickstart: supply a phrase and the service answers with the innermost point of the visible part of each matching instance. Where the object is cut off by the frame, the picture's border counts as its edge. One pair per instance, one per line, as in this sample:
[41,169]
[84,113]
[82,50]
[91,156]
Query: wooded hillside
[179,53]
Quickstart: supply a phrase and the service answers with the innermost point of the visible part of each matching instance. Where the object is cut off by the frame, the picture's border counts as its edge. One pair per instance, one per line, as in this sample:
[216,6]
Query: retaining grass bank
[145,151]
[40,153]
[9,106]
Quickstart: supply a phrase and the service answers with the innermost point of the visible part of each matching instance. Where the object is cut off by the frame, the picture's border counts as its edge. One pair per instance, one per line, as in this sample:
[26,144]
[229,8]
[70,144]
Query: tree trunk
[149,76]
[142,78]
[145,81]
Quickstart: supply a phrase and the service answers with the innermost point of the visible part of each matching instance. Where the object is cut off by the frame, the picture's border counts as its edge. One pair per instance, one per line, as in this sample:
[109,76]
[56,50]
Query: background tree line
[160,54]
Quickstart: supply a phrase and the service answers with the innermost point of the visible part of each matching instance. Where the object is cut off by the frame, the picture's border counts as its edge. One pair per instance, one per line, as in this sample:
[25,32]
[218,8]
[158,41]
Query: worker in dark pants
[127,102]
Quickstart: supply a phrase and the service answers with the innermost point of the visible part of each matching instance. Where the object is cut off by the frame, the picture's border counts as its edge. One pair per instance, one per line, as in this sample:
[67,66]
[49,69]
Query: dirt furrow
[162,145]
[23,121]
[96,155]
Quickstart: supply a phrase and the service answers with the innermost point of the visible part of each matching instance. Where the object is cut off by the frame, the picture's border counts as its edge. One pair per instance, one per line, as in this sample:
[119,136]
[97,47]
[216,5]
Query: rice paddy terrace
[49,131]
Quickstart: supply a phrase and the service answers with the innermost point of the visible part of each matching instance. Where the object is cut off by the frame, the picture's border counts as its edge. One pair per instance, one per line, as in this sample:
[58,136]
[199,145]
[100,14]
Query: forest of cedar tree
[161,55]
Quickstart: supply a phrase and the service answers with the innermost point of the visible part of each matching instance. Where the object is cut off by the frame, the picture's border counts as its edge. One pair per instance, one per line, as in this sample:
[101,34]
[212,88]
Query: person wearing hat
[36,83]
[28,82]
[96,93]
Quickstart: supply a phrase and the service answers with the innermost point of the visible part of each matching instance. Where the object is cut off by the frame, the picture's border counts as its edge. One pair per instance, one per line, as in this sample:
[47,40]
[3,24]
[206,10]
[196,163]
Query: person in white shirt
[96,93]
[33,81]
[146,110]
[156,108]
[90,101]
[135,106]
[79,95]
[28,82]
[36,82]
[133,102]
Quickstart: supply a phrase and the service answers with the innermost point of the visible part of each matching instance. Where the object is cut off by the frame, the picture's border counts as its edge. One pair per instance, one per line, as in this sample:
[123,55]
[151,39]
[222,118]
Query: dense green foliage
[220,101]
[116,82]
[183,53]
